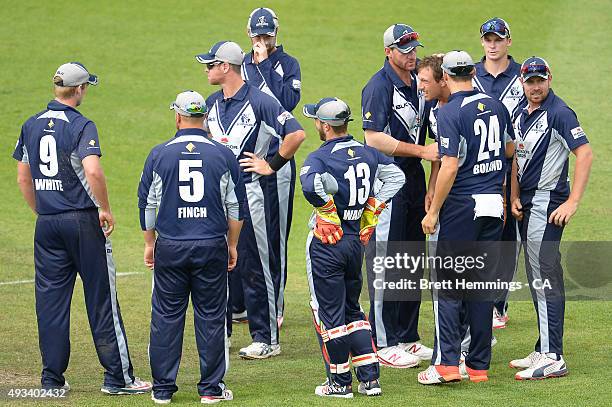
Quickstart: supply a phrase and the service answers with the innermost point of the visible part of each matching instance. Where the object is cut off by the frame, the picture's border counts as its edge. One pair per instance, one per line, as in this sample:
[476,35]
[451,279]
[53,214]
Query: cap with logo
[223,51]
[457,63]
[497,26]
[535,66]
[262,21]
[402,37]
[189,103]
[332,111]
[73,74]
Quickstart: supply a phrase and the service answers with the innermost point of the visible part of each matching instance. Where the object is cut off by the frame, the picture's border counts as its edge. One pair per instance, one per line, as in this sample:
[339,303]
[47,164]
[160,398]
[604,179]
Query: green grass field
[144,52]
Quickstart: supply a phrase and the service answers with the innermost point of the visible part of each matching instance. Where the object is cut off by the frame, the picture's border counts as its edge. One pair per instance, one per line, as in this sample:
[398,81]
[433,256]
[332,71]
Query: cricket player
[338,179]
[498,75]
[547,130]
[394,120]
[475,133]
[196,188]
[276,73]
[247,120]
[61,179]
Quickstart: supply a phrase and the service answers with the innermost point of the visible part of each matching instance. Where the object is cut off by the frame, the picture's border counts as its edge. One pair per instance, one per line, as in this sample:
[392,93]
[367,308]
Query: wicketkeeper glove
[327,228]
[369,218]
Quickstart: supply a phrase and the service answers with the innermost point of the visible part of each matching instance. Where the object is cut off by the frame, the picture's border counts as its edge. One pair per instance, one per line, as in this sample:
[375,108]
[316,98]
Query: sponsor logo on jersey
[444,141]
[481,107]
[577,132]
[297,85]
[190,147]
[304,170]
[92,142]
[51,124]
[283,117]
[350,152]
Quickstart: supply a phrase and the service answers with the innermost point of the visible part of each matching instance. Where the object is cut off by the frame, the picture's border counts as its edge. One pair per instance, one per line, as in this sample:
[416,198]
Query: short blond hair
[63,92]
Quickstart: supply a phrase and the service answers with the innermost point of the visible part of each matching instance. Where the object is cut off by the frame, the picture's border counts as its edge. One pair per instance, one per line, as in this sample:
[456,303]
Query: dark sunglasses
[211,65]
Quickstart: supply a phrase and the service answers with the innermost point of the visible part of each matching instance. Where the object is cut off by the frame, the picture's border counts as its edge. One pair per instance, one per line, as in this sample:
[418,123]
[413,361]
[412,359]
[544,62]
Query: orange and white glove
[369,219]
[327,228]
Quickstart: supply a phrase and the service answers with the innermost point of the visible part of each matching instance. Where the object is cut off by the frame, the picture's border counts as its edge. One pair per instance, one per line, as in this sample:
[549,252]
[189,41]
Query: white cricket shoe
[526,362]
[226,395]
[160,400]
[331,389]
[499,320]
[417,349]
[397,357]
[371,388]
[138,386]
[259,350]
[545,368]
[439,374]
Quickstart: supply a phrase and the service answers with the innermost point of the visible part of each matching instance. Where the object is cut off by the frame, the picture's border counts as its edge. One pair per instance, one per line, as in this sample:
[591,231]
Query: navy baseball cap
[332,111]
[223,51]
[458,63]
[402,37]
[262,21]
[189,103]
[73,74]
[497,26]
[535,66]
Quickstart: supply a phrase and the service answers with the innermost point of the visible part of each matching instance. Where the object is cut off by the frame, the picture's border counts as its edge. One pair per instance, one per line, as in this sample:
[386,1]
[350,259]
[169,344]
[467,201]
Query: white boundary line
[32,281]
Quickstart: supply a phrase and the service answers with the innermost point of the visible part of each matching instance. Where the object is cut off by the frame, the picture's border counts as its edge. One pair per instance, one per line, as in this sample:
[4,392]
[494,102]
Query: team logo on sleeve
[444,141]
[283,117]
[297,85]
[577,132]
[304,170]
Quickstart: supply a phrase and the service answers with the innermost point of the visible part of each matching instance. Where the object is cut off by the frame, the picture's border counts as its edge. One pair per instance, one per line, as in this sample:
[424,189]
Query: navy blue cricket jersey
[249,121]
[195,185]
[388,105]
[506,87]
[278,75]
[544,140]
[350,172]
[54,142]
[475,128]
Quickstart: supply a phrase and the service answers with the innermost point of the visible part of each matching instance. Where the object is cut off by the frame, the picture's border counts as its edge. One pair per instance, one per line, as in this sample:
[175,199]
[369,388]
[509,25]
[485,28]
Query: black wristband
[277,162]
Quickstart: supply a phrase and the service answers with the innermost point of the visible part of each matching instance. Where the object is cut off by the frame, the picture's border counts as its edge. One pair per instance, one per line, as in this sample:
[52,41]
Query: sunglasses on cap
[539,69]
[196,109]
[406,39]
[495,26]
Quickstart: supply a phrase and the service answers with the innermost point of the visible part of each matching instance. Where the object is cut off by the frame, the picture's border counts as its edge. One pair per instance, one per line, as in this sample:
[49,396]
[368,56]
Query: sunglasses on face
[406,39]
[535,68]
[211,65]
[495,26]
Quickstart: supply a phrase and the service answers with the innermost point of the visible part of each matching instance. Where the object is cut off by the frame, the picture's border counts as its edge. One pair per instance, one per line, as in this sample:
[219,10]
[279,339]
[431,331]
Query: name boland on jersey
[250,121]
[278,75]
[475,128]
[506,87]
[54,142]
[194,183]
[350,172]
[544,140]
[388,105]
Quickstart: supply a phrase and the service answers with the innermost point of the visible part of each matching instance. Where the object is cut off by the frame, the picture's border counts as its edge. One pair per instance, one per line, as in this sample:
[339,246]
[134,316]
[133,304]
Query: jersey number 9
[48,156]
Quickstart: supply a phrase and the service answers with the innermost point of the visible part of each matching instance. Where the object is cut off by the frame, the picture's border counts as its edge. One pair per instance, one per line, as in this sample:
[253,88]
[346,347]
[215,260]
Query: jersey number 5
[490,137]
[191,171]
[361,171]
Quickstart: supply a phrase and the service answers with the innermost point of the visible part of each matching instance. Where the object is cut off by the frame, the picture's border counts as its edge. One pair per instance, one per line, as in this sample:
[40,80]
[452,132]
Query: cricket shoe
[240,317]
[526,362]
[417,349]
[160,400]
[226,395]
[499,320]
[464,353]
[472,375]
[545,368]
[259,350]
[397,357]
[332,389]
[437,374]
[136,387]
[371,388]
[65,387]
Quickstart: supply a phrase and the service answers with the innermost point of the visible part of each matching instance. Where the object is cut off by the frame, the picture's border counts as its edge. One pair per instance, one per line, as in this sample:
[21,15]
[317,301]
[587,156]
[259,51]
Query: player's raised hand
[260,51]
[429,223]
[562,215]
[255,164]
[232,258]
[107,223]
[517,209]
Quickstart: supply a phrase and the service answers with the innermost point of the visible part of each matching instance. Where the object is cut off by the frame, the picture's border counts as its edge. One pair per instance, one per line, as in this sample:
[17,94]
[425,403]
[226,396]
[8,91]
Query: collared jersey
[388,105]
[278,75]
[194,183]
[250,121]
[433,121]
[544,140]
[54,142]
[350,172]
[475,128]
[506,87]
